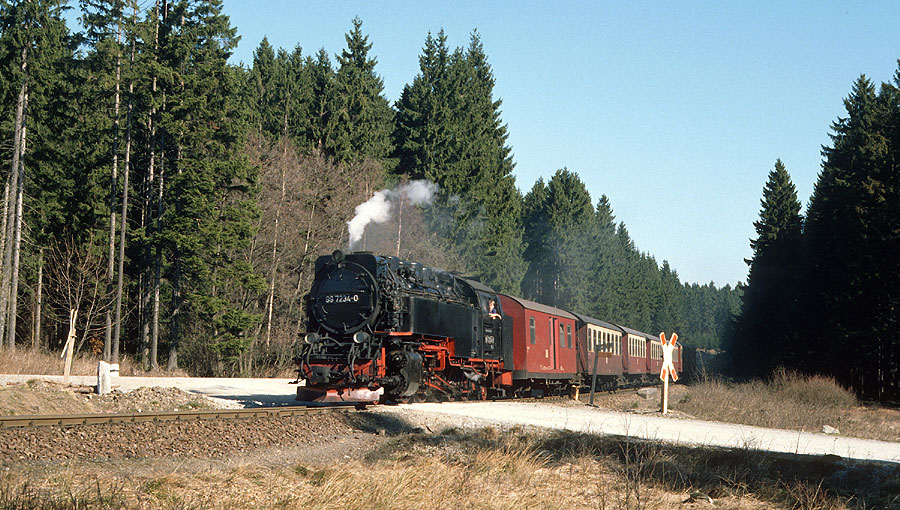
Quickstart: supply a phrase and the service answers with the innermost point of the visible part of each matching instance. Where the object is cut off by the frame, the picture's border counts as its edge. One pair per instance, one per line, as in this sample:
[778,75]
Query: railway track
[216,414]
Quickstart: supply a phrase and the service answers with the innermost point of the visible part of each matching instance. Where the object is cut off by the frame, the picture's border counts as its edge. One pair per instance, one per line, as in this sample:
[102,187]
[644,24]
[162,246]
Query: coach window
[562,336]
[569,336]
[531,327]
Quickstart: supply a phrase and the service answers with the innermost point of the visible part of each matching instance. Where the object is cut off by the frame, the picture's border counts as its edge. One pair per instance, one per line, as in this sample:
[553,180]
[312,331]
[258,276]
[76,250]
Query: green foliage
[560,223]
[448,130]
[853,237]
[325,135]
[360,123]
[210,206]
[771,298]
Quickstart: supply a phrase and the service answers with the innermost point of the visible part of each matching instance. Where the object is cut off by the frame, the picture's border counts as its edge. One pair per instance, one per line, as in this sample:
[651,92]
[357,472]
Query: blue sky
[676,111]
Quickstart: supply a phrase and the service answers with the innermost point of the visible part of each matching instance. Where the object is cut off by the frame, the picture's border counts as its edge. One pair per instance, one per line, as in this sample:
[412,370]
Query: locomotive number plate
[341,298]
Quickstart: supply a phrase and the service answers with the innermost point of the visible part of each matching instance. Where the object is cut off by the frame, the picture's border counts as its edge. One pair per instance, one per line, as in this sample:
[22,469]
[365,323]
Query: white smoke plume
[378,208]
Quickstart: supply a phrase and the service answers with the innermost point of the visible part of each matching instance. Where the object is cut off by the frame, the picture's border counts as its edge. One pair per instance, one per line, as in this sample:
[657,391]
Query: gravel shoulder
[38,396]
[589,420]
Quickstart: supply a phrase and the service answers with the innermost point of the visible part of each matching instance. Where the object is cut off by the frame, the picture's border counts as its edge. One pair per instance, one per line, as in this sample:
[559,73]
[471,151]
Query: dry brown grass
[789,401]
[37,362]
[488,469]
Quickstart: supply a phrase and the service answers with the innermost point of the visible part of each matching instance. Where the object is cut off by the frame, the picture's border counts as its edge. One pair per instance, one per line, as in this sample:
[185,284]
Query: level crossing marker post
[667,368]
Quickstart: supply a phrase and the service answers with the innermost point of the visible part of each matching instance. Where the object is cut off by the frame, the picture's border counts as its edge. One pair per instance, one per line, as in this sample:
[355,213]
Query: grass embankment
[485,469]
[38,362]
[790,401]
[32,362]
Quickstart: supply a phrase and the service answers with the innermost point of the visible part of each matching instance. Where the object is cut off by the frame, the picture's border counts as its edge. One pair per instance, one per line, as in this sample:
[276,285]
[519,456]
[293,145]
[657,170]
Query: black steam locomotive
[381,328]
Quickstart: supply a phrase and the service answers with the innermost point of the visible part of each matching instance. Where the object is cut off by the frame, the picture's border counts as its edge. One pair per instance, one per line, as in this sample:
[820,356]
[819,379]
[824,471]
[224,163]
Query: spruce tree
[668,314]
[320,77]
[561,226]
[537,241]
[267,118]
[770,300]
[607,268]
[33,40]
[448,130]
[211,207]
[851,232]
[361,116]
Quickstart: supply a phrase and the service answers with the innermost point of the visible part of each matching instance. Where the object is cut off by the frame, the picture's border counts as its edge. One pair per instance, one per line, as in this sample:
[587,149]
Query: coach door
[554,355]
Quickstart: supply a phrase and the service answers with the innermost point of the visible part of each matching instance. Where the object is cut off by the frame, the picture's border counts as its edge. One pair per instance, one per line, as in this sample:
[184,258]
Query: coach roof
[538,307]
[637,333]
[597,322]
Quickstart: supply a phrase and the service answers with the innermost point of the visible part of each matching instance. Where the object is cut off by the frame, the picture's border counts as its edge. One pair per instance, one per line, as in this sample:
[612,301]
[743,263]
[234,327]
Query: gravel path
[229,392]
[574,417]
[658,428]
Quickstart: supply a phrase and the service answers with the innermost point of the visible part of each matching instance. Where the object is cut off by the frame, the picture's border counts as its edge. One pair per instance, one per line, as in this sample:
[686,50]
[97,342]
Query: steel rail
[205,414]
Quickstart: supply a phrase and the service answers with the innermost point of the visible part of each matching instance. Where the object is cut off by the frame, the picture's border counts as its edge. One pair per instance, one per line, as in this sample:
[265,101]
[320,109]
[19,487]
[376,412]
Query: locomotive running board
[362,395]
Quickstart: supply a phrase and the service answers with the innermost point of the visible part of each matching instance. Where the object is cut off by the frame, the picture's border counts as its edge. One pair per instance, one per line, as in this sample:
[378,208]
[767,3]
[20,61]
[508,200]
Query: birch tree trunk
[38,304]
[11,195]
[270,301]
[70,343]
[17,235]
[107,343]
[124,217]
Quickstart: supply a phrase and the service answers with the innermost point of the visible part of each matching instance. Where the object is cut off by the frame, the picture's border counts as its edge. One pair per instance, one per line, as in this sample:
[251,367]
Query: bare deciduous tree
[76,280]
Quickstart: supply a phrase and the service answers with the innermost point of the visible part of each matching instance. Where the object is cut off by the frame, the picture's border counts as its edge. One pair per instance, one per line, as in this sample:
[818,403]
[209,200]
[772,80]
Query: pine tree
[361,116]
[562,228]
[267,118]
[320,76]
[448,130]
[851,232]
[33,39]
[770,300]
[211,207]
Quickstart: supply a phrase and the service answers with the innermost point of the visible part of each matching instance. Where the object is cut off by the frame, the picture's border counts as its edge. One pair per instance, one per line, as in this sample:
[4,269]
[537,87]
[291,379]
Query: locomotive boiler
[382,328]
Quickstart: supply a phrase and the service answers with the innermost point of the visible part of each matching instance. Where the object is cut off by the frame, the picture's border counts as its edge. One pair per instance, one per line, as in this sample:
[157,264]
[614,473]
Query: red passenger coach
[543,341]
[634,350]
[676,357]
[655,354]
[603,341]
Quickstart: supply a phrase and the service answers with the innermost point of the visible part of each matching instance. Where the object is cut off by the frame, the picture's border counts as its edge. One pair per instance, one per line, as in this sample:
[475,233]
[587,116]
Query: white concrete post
[103,378]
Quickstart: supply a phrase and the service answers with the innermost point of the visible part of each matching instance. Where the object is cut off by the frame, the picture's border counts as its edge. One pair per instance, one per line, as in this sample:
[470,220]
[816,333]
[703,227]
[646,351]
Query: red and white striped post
[667,368]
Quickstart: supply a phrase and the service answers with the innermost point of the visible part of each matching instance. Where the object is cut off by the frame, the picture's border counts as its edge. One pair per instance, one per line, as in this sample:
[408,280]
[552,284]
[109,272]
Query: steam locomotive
[385,329]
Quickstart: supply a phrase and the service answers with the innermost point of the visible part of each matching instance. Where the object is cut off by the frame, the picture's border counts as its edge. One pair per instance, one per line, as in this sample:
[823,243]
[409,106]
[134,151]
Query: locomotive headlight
[360,337]
[311,338]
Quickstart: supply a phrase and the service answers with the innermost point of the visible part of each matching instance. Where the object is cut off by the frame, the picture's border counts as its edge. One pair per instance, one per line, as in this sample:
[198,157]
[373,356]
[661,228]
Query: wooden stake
[70,344]
[665,406]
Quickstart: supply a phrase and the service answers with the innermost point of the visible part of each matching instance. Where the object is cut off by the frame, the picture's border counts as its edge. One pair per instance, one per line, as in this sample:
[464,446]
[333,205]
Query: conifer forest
[170,205]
